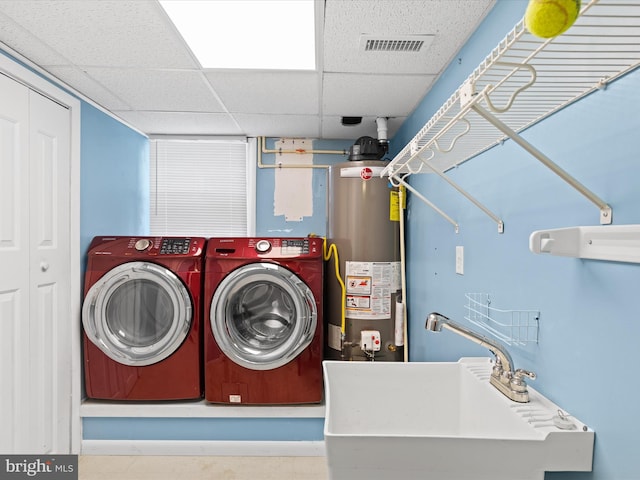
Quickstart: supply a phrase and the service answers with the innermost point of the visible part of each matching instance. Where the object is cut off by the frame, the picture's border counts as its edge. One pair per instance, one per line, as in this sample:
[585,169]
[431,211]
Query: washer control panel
[172,246]
[147,247]
[295,246]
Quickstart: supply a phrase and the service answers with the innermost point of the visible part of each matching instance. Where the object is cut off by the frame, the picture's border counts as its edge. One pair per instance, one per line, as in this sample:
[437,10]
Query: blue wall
[589,328]
[114,178]
[203,429]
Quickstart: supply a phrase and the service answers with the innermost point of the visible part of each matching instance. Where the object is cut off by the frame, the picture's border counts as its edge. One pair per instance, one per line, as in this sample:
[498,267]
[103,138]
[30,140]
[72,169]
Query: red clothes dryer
[142,318]
[263,320]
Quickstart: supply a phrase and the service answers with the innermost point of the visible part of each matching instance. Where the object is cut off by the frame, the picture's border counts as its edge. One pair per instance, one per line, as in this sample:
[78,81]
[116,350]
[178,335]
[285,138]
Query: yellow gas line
[327,253]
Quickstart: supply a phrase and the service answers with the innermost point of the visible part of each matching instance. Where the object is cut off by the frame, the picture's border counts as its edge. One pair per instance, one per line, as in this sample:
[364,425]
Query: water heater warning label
[369,288]
[359,284]
[359,302]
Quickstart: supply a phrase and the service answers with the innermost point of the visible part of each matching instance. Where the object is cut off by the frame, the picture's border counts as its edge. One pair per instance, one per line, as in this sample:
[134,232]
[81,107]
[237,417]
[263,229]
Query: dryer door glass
[138,313]
[263,316]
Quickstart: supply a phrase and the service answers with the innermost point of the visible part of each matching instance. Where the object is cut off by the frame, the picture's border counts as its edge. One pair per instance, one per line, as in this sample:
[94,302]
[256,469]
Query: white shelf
[197,408]
[524,80]
[613,243]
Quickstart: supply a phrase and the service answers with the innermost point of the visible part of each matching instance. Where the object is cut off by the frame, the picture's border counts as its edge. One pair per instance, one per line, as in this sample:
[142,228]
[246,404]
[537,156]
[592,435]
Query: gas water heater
[363,223]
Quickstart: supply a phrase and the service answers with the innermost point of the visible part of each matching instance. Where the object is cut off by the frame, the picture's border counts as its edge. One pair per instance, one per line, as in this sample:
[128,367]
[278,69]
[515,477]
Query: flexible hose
[327,253]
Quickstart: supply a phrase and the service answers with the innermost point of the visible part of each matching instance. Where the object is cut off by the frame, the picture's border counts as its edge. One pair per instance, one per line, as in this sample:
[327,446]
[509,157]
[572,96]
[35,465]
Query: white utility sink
[444,421]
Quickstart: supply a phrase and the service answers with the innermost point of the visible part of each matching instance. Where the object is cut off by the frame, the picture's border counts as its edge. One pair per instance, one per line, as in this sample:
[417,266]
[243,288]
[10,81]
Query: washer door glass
[138,313]
[263,316]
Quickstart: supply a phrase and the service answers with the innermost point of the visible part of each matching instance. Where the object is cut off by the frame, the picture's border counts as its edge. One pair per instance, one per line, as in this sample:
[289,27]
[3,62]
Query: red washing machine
[142,318]
[263,320]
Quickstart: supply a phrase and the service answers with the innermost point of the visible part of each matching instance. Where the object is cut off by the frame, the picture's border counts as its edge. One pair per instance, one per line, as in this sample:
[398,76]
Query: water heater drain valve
[370,341]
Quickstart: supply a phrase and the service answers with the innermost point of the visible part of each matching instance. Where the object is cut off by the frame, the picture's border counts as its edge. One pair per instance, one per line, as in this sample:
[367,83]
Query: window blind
[200,187]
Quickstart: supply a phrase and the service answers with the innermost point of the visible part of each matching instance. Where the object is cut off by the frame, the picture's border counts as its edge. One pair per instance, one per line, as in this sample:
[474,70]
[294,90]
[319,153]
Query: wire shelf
[513,327]
[524,80]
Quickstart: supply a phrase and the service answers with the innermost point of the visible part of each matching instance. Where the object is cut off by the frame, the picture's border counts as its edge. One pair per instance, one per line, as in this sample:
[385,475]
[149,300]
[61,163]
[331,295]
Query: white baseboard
[211,448]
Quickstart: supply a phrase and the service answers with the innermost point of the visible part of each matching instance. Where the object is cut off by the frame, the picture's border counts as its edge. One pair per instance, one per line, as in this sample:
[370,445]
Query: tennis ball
[549,18]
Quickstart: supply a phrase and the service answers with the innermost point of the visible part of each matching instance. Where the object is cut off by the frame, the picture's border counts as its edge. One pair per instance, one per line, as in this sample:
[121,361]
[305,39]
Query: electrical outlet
[460,260]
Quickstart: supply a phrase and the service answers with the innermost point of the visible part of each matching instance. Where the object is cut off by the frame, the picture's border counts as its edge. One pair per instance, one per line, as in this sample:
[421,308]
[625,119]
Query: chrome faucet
[503,377]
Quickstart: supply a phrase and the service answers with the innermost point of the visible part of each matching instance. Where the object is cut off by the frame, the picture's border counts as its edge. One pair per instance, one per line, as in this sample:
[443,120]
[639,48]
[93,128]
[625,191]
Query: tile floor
[94,467]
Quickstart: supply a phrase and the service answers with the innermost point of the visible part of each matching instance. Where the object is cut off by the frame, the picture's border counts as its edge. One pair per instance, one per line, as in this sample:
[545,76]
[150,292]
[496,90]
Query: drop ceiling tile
[449,21]
[386,62]
[379,95]
[180,123]
[297,126]
[88,87]
[126,33]
[268,92]
[159,90]
[27,44]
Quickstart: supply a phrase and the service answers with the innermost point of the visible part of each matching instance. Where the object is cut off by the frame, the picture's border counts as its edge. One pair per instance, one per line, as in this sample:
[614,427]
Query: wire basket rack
[513,327]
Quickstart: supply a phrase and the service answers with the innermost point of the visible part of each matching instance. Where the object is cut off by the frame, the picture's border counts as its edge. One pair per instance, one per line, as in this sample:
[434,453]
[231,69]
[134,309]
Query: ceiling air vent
[401,43]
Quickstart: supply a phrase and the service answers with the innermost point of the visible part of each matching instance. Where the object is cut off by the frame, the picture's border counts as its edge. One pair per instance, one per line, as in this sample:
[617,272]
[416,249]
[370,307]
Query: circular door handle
[44,266]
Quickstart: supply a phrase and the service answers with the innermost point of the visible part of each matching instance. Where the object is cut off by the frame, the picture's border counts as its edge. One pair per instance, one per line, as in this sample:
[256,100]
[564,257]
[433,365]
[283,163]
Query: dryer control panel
[173,246]
[295,246]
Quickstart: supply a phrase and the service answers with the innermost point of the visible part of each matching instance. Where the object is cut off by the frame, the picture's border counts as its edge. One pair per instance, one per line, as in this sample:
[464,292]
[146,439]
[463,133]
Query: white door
[14,260]
[35,306]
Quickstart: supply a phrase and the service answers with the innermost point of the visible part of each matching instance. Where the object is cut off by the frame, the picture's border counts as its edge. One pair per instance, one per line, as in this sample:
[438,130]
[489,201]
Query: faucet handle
[520,373]
[517,382]
[497,367]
